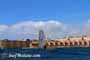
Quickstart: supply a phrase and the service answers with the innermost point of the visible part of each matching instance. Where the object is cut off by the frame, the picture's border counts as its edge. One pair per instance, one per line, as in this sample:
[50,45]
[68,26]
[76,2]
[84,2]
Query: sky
[56,17]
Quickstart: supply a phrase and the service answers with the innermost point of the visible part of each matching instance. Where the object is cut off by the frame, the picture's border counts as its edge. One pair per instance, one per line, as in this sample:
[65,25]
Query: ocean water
[72,53]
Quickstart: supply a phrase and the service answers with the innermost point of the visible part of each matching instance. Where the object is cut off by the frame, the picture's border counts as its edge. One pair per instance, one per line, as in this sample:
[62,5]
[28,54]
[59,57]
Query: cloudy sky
[24,18]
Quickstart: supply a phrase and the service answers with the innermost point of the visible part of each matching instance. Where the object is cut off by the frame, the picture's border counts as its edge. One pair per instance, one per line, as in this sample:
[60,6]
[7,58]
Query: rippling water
[73,53]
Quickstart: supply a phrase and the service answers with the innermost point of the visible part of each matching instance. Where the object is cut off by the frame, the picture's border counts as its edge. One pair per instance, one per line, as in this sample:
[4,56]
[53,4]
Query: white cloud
[3,27]
[52,29]
[29,29]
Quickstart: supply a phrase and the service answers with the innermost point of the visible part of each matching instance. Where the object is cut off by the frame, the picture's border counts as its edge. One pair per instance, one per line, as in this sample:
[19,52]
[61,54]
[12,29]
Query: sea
[70,53]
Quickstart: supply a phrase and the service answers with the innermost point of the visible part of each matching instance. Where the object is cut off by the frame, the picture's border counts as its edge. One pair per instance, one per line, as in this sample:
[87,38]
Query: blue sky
[67,11]
[23,18]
